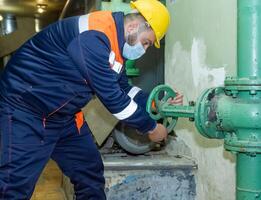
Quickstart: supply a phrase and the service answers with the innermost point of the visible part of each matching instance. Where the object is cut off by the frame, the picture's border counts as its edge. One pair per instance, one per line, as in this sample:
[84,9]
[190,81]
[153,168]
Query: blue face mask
[133,52]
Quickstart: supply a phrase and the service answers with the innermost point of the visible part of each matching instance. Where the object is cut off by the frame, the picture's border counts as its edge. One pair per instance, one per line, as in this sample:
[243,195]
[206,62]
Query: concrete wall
[200,51]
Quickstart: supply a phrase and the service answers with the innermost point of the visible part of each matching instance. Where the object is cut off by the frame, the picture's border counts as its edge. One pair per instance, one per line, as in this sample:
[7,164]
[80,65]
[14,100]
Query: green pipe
[249,38]
[131,69]
[248,168]
[248,176]
[177,111]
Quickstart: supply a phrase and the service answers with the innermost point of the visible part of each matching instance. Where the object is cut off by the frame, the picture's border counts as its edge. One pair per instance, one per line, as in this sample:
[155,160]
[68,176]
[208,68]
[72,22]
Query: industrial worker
[53,75]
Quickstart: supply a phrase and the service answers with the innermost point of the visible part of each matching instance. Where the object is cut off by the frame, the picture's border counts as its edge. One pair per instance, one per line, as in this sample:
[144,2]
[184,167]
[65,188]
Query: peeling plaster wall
[200,52]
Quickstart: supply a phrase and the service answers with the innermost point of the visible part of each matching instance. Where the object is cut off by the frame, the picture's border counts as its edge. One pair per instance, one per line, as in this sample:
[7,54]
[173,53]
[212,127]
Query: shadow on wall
[201,141]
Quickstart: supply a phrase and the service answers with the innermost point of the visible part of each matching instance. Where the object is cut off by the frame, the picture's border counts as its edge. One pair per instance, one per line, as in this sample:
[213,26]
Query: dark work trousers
[27,143]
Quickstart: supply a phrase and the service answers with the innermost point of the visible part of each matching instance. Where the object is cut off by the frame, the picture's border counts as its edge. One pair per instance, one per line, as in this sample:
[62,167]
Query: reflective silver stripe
[127,112]
[112,58]
[83,23]
[134,90]
[117,67]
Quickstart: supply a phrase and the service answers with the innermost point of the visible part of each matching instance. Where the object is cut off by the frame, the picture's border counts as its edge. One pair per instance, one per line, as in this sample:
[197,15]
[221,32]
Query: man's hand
[178,100]
[158,134]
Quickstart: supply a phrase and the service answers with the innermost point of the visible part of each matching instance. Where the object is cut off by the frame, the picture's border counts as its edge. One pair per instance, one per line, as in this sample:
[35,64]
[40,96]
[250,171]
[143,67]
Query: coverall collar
[119,21]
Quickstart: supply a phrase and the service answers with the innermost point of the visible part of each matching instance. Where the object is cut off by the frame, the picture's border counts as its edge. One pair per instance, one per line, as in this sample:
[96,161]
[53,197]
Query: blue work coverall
[46,82]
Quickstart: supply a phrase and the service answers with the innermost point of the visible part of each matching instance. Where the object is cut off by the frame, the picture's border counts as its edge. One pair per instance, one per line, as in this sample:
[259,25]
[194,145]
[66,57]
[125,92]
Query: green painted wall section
[212,20]
[200,51]
[116,5]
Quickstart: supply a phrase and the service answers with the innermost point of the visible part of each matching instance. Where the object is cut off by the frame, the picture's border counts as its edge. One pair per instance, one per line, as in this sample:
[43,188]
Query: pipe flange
[205,115]
[242,84]
[242,146]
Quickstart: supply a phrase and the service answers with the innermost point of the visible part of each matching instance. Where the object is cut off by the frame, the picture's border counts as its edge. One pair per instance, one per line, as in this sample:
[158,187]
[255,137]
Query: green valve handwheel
[157,100]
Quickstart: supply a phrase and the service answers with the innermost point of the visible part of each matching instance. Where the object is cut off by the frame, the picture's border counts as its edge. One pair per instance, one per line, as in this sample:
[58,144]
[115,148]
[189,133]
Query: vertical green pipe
[248,176]
[248,65]
[249,38]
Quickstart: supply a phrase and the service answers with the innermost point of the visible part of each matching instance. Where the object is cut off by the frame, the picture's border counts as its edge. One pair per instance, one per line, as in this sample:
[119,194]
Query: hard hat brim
[157,44]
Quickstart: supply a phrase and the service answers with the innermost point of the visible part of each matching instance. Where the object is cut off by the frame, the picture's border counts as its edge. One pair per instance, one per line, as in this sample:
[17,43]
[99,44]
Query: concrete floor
[49,184]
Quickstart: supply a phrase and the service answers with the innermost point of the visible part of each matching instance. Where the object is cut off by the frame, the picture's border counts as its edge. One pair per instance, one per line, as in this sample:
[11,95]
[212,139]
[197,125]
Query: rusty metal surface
[151,185]
[153,177]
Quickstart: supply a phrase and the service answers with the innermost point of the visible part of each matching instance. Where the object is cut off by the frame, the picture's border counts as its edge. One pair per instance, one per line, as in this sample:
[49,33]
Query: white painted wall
[200,51]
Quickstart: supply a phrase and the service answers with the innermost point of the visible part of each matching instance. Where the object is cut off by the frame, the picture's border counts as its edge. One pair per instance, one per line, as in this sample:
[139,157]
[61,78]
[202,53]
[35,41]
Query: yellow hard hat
[156,15]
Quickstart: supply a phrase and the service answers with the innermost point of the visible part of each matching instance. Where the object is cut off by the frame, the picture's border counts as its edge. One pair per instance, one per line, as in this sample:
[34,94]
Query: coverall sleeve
[90,51]
[134,92]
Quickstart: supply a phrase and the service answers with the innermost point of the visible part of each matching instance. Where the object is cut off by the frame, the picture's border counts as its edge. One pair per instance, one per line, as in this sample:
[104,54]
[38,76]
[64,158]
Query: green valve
[131,69]
[157,101]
